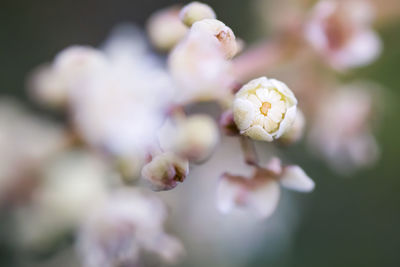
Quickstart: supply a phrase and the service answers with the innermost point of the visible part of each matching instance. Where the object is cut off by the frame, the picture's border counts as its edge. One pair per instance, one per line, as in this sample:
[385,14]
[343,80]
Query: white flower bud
[194,137]
[165,171]
[296,131]
[196,11]
[47,87]
[165,28]
[221,34]
[77,61]
[51,85]
[264,109]
[200,69]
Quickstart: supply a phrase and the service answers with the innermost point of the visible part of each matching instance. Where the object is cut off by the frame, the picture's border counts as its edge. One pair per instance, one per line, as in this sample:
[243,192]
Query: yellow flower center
[265,107]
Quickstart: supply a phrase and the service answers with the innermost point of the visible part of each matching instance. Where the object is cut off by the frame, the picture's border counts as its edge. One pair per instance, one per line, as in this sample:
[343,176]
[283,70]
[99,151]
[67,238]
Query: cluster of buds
[132,115]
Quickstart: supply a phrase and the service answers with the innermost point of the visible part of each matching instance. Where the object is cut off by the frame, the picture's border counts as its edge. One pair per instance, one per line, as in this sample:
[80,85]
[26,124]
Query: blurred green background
[349,221]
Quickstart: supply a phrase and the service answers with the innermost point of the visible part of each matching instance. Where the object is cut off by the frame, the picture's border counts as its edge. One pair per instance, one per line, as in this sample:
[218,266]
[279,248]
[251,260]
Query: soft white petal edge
[265,199]
[295,178]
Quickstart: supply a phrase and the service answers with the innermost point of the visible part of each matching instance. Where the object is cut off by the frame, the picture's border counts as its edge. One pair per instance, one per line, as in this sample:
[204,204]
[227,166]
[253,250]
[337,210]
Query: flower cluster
[136,120]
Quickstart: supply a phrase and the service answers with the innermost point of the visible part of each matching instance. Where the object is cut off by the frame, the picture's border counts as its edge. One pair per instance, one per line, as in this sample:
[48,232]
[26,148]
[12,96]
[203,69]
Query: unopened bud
[165,171]
[194,137]
[47,87]
[165,29]
[196,11]
[222,34]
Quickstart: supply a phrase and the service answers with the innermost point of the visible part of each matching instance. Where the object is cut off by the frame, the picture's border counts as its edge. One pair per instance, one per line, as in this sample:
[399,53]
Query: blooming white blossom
[193,137]
[71,184]
[196,11]
[341,32]
[198,64]
[260,193]
[119,108]
[52,84]
[264,109]
[165,29]
[129,221]
[342,130]
[26,142]
[165,171]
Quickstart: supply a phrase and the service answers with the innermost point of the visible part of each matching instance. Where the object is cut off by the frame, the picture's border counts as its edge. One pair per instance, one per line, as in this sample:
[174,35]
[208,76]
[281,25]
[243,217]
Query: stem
[249,152]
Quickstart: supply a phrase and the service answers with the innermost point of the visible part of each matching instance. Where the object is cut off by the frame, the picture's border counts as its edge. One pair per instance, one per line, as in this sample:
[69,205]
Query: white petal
[283,89]
[364,48]
[264,199]
[226,194]
[254,99]
[280,106]
[253,84]
[257,132]
[262,94]
[275,115]
[287,122]
[269,124]
[243,113]
[274,96]
[293,177]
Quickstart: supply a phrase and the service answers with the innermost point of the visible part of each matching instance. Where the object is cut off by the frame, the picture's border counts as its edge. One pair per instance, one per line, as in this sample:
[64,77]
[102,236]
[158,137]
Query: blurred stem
[249,152]
[259,59]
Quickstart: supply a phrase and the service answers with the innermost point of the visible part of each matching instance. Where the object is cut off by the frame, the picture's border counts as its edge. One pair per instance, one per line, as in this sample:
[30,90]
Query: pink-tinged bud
[196,11]
[165,29]
[222,34]
[165,171]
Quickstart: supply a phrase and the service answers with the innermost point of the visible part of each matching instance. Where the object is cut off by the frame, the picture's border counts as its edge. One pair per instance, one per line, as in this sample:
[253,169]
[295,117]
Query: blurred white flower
[341,32]
[129,221]
[165,29]
[199,66]
[165,171]
[342,131]
[26,142]
[51,84]
[260,193]
[71,185]
[120,108]
[196,11]
[264,109]
[193,137]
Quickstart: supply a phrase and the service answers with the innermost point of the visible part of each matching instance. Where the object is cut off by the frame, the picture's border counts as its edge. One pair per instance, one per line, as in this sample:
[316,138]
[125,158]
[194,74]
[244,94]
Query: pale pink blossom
[260,193]
[128,222]
[342,131]
[341,32]
[199,66]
